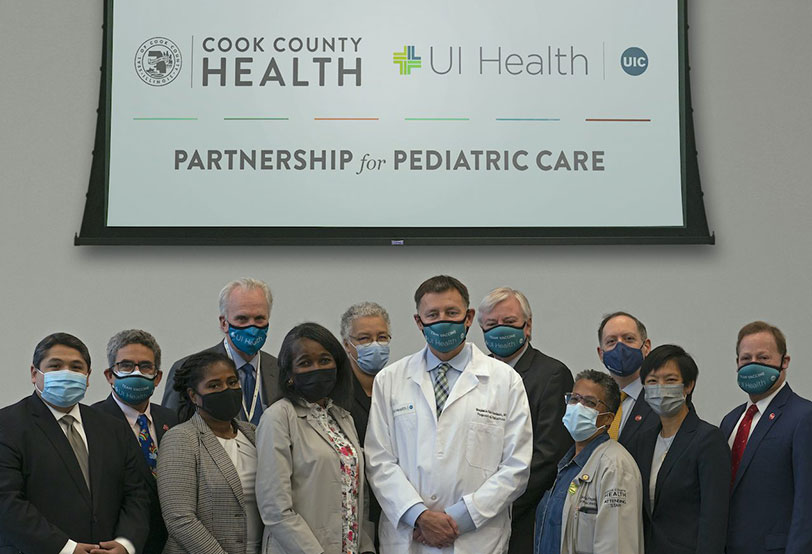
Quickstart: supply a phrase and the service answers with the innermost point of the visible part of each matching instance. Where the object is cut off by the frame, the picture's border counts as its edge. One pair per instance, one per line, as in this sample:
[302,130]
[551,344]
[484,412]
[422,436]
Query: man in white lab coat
[449,440]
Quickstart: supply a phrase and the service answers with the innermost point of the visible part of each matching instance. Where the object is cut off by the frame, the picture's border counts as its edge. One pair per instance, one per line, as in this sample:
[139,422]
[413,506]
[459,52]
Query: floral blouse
[348,458]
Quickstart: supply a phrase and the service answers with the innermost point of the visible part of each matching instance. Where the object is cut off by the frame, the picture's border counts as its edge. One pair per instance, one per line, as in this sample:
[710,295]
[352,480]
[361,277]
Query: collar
[75,412]
[634,389]
[764,402]
[583,457]
[512,363]
[237,358]
[458,362]
[131,413]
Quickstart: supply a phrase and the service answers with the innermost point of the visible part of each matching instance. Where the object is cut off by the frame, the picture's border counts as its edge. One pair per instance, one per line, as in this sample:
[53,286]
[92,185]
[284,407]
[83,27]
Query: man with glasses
[595,504]
[70,476]
[134,360]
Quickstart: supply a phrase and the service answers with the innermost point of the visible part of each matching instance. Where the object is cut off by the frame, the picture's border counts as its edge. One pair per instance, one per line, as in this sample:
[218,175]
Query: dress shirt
[458,511]
[518,356]
[70,546]
[239,361]
[632,391]
[131,414]
[243,455]
[762,404]
[661,448]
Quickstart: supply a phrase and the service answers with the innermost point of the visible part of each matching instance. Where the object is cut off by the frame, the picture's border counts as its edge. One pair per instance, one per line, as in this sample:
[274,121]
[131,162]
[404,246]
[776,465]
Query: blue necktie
[148,448]
[249,383]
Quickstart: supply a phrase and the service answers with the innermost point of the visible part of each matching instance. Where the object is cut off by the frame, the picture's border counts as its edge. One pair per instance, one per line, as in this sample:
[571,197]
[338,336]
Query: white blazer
[479,451]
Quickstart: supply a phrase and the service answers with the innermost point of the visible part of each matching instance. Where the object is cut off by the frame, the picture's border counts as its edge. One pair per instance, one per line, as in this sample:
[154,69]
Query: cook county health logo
[158,61]
[407,60]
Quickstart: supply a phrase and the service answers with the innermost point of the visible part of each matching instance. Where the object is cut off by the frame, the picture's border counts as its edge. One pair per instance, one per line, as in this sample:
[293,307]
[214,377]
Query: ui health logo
[407,60]
[158,61]
[634,61]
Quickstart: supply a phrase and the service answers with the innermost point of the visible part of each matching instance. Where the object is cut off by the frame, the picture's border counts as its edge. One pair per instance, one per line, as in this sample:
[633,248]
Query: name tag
[403,409]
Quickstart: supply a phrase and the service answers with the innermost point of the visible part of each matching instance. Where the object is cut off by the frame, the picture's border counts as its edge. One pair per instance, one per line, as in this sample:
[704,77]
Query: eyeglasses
[128,366]
[382,339]
[588,401]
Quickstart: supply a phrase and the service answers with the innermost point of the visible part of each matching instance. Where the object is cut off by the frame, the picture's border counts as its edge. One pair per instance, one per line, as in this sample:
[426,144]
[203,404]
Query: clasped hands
[437,529]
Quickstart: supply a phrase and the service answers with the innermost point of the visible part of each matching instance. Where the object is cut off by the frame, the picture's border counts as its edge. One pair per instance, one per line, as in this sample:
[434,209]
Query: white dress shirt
[762,404]
[632,391]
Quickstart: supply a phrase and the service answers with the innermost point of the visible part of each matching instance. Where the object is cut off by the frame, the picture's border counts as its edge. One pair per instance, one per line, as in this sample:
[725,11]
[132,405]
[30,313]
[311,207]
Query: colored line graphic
[407,60]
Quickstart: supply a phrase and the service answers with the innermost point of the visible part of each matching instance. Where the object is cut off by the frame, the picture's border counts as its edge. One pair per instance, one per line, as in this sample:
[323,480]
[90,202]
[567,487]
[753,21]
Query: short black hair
[61,339]
[641,329]
[661,355]
[190,374]
[610,389]
[441,283]
[342,393]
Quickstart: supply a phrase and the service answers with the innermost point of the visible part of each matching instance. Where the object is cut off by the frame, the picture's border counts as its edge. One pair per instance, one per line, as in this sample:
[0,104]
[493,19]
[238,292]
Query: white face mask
[665,400]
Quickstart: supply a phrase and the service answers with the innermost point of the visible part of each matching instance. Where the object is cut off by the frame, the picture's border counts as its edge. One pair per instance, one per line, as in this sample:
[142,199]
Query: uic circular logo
[634,61]
[158,61]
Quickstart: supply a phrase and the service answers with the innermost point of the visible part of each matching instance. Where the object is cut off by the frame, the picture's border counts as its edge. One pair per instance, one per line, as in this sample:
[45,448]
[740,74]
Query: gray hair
[501,294]
[132,336]
[361,309]
[610,388]
[246,283]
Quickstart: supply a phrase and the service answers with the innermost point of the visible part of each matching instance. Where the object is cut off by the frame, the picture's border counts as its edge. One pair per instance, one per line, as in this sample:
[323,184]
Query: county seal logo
[158,61]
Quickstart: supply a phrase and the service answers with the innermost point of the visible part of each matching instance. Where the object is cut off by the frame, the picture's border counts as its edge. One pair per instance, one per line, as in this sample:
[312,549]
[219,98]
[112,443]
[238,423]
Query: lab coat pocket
[484,448]
[585,532]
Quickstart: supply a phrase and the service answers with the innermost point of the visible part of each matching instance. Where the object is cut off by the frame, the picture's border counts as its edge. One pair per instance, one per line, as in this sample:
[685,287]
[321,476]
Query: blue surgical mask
[580,421]
[665,400]
[372,357]
[505,340]
[623,360]
[248,339]
[63,388]
[445,336]
[133,388]
[755,378]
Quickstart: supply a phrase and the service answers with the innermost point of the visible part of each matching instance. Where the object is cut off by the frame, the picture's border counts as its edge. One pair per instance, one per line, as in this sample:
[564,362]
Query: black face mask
[223,405]
[315,385]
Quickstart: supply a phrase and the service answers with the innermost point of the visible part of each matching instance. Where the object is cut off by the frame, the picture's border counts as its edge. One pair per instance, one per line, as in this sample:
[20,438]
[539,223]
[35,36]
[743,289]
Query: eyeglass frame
[372,339]
[116,368]
[579,398]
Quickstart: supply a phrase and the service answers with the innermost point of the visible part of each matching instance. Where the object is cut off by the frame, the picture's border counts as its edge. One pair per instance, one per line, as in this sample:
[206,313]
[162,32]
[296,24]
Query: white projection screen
[369,122]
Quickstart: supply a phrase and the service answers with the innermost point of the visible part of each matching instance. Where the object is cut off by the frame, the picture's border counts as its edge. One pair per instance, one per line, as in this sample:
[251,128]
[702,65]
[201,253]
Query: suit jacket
[163,419]
[299,482]
[546,380]
[641,419]
[689,514]
[771,499]
[201,492]
[268,368]
[44,500]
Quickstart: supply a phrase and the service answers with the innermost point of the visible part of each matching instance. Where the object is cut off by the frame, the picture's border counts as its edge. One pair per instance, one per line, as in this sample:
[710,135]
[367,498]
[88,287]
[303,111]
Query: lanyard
[248,413]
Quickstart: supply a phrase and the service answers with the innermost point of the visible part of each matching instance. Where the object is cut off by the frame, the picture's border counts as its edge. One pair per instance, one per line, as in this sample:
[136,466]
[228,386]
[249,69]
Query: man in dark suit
[70,476]
[245,307]
[506,321]
[134,360]
[622,344]
[770,438]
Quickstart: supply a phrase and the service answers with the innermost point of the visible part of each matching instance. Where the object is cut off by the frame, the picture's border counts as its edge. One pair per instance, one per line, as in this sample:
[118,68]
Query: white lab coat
[479,452]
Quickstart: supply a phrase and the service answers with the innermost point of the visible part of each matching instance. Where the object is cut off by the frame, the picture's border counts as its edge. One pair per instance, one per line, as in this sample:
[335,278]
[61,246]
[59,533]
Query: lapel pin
[165,427]
[772,415]
[638,417]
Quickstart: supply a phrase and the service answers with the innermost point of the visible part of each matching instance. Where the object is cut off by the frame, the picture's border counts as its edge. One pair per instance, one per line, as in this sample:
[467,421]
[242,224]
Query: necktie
[77,445]
[249,384]
[441,387]
[740,442]
[148,448]
[614,428]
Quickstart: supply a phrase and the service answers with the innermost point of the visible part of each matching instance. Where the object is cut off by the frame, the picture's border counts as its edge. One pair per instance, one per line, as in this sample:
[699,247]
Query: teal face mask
[445,336]
[134,388]
[504,340]
[757,378]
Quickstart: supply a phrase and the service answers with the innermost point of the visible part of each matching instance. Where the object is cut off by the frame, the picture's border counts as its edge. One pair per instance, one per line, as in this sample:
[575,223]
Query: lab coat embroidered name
[493,416]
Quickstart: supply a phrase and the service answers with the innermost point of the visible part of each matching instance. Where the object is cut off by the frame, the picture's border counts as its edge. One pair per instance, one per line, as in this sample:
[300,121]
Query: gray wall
[752,104]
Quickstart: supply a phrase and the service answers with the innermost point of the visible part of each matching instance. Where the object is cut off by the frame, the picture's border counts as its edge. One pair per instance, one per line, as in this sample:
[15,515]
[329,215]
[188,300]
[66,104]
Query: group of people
[330,449]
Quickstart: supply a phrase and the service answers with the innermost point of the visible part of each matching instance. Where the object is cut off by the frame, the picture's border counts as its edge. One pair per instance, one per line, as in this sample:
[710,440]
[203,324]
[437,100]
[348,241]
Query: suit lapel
[45,421]
[730,421]
[683,438]
[633,424]
[96,438]
[646,453]
[422,380]
[466,382]
[526,360]
[220,457]
[269,377]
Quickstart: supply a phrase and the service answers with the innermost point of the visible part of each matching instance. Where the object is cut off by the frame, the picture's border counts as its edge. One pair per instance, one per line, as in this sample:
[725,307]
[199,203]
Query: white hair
[359,310]
[246,283]
[501,294]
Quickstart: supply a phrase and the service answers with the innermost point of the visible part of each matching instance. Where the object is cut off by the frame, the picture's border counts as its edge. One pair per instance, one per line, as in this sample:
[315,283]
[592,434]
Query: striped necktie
[441,386]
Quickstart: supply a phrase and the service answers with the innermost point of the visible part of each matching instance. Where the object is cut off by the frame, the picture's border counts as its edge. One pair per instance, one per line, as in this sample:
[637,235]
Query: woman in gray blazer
[310,480]
[207,466]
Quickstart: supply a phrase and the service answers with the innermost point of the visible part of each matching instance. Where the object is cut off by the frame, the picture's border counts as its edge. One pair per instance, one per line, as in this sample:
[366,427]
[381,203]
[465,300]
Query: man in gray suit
[245,307]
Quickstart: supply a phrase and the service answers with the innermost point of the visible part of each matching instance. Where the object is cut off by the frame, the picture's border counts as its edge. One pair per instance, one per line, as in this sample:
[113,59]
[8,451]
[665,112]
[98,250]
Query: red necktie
[740,443]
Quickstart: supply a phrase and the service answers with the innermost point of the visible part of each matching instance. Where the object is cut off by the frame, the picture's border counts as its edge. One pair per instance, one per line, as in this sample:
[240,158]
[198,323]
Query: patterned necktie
[249,384]
[148,448]
[78,446]
[740,442]
[441,387]
[614,428]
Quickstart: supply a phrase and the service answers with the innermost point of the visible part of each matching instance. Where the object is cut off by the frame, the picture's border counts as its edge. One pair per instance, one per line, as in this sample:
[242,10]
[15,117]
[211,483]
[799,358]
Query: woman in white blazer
[310,479]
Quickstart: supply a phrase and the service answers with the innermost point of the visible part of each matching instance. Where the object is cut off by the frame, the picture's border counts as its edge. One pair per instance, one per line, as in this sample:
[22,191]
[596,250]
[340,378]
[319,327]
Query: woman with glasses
[208,464]
[684,461]
[310,483]
[595,502]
